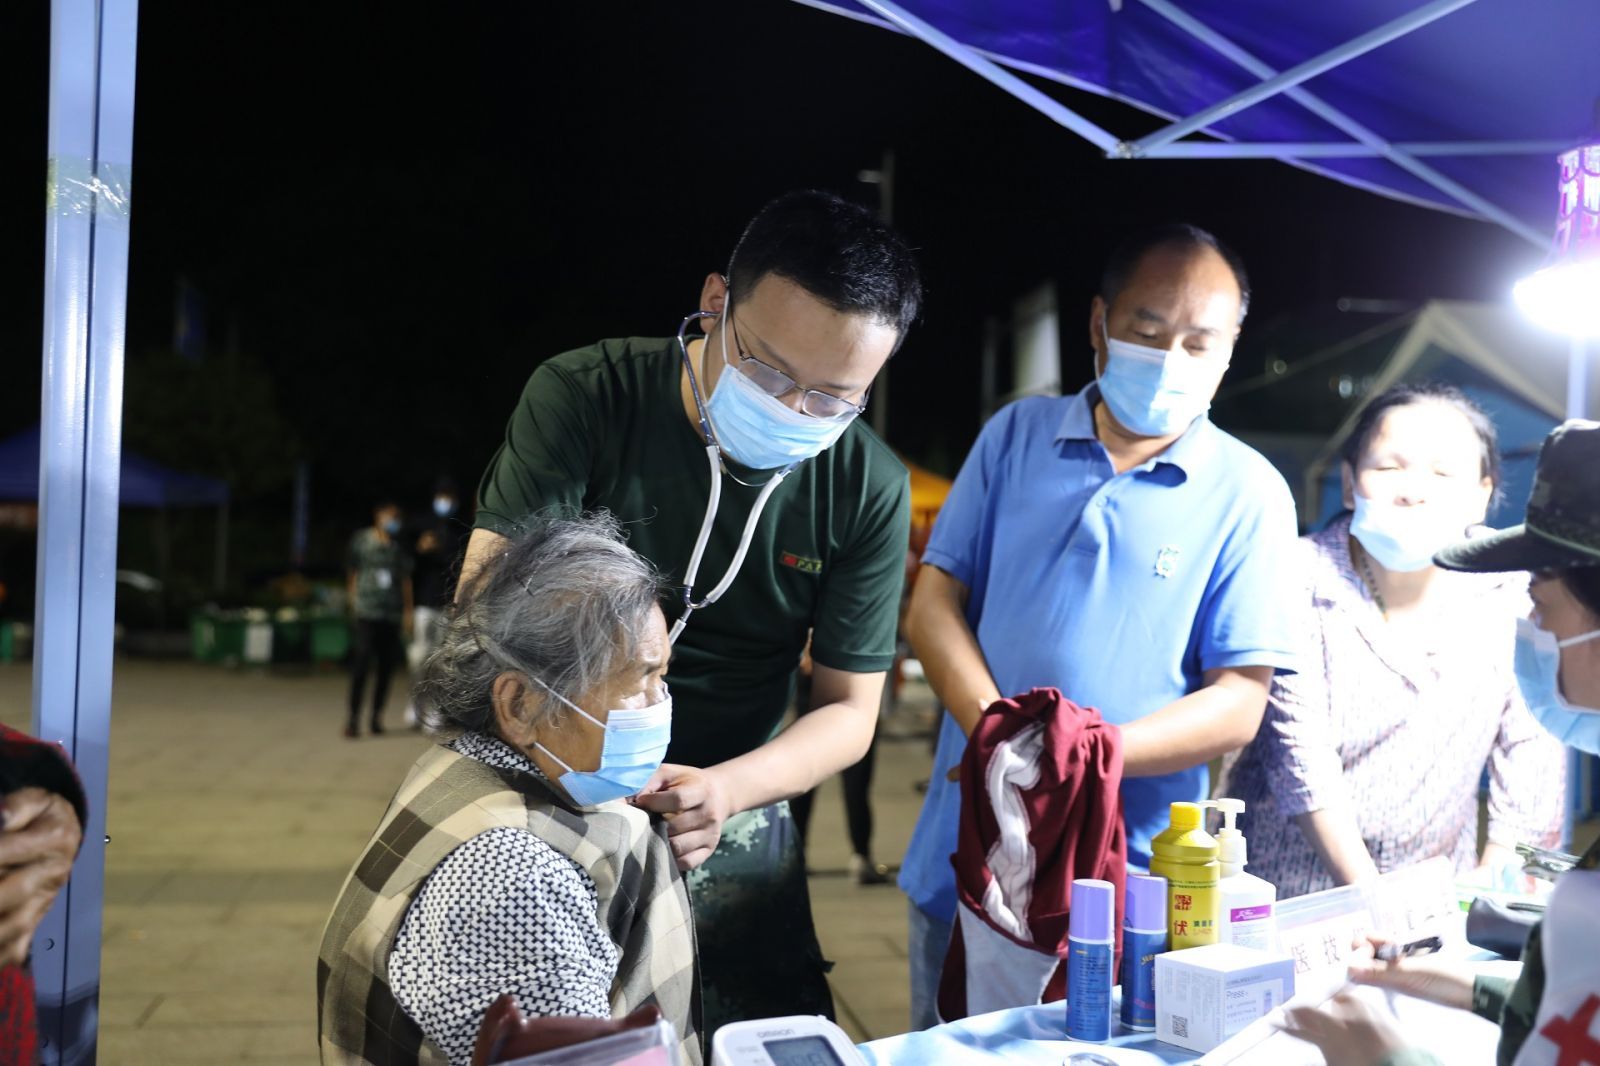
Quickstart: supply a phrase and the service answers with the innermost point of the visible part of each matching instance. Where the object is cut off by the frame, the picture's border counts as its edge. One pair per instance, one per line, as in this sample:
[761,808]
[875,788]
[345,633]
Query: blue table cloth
[1036,1034]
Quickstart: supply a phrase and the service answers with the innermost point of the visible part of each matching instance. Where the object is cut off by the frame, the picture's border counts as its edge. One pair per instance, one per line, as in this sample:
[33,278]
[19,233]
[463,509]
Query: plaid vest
[446,800]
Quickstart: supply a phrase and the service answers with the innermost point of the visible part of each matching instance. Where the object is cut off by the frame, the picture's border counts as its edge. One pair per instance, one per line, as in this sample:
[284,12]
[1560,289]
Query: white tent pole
[1347,149]
[989,70]
[1332,115]
[1578,379]
[1577,407]
[93,48]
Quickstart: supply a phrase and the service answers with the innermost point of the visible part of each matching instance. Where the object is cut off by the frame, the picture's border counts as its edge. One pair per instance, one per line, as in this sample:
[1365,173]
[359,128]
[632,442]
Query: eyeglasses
[777,384]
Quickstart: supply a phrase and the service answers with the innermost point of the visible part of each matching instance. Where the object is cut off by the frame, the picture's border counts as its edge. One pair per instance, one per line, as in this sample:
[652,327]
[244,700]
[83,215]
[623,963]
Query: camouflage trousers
[759,956]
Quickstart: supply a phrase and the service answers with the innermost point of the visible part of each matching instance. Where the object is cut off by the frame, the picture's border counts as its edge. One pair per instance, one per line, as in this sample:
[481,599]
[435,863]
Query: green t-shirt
[603,427]
[380,567]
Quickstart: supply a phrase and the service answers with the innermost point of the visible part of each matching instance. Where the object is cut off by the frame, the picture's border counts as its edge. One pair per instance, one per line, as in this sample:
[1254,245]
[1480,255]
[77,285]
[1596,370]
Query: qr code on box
[1180,1026]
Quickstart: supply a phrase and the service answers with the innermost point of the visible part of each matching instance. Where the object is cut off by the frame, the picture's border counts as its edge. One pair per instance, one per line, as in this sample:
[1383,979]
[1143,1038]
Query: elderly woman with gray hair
[509,859]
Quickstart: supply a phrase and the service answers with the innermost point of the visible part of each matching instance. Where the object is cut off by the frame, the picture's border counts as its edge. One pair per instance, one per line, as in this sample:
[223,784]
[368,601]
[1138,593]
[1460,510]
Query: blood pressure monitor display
[801,1051]
[799,1040]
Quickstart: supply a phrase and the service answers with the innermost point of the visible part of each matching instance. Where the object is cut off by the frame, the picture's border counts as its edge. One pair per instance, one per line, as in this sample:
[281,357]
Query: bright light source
[1564,297]
[1565,294]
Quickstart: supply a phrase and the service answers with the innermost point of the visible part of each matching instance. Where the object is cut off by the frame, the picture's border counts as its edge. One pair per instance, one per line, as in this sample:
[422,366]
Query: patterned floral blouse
[1396,728]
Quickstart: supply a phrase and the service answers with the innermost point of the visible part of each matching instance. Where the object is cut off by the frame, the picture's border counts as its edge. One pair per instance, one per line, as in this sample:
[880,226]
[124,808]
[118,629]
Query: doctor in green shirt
[739,467]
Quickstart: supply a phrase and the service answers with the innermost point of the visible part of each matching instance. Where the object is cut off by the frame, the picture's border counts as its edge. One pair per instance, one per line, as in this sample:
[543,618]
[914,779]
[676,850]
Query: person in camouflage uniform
[1545,1015]
[379,594]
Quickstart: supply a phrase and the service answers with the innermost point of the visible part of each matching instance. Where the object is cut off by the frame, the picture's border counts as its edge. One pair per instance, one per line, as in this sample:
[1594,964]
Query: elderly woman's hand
[39,837]
[1348,1030]
[695,803]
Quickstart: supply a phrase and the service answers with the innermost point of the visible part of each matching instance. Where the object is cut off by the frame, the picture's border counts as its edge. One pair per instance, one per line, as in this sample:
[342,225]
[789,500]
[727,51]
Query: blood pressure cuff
[29,763]
[1495,927]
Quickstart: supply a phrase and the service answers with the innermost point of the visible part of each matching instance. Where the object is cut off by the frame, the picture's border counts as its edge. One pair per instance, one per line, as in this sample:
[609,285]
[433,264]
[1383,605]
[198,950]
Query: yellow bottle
[1186,855]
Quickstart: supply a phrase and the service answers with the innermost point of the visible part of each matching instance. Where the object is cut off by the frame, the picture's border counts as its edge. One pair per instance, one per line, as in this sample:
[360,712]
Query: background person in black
[378,584]
[821,292]
[440,540]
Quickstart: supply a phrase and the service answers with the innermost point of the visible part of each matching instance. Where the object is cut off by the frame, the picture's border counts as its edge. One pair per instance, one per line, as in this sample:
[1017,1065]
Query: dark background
[390,218]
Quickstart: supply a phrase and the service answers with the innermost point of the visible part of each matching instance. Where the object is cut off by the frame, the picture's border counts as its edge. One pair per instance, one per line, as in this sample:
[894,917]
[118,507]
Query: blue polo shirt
[1121,591]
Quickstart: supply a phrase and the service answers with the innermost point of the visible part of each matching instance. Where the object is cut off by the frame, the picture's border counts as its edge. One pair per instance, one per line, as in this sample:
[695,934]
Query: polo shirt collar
[1189,453]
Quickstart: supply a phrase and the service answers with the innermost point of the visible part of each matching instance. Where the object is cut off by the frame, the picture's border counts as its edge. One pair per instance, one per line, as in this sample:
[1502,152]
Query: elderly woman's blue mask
[635,743]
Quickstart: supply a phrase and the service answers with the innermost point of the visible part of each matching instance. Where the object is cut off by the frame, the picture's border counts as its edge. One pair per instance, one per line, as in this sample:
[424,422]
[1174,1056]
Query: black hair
[839,252]
[385,503]
[1584,584]
[1355,445]
[1127,256]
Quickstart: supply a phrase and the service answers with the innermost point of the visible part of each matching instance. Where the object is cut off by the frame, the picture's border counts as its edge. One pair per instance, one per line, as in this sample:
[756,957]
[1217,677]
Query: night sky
[393,218]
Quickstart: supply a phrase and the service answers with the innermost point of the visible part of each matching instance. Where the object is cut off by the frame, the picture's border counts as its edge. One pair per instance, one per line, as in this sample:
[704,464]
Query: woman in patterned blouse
[1370,758]
[1546,1016]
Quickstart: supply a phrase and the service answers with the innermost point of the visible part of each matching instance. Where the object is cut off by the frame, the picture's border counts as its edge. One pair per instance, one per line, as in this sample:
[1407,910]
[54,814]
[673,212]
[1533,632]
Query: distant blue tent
[145,483]
[1514,371]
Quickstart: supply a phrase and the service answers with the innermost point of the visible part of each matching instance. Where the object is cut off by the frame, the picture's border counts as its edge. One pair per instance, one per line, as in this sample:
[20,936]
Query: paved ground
[235,812]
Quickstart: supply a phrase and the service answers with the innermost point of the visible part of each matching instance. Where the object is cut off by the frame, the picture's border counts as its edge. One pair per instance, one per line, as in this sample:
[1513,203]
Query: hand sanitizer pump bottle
[1247,903]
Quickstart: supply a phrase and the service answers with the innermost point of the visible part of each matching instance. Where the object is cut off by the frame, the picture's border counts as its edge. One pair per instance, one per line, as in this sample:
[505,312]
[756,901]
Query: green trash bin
[203,636]
[291,637]
[330,637]
[229,642]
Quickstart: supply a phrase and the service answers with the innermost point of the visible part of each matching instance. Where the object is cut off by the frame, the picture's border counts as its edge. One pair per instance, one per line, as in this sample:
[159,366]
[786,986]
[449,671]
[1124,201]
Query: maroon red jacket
[1041,805]
[28,763]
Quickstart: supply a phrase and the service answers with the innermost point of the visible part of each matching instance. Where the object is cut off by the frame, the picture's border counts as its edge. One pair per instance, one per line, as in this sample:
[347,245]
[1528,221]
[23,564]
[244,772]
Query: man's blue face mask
[1538,666]
[759,430]
[1154,392]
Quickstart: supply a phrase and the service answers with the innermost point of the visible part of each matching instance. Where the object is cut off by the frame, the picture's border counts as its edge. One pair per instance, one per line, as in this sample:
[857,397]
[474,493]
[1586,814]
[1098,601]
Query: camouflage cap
[1563,522]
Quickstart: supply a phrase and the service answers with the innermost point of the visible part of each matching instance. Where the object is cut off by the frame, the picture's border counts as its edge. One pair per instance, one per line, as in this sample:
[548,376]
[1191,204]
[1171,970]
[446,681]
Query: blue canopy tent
[143,482]
[1457,105]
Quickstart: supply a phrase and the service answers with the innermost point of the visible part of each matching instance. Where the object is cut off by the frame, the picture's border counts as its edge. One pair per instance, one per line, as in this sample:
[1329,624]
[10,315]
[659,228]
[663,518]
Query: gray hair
[566,603]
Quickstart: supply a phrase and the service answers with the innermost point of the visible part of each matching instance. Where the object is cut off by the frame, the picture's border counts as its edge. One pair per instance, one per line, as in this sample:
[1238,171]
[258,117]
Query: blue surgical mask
[761,431]
[391,526]
[1403,539]
[1538,666]
[444,506]
[1157,393]
[635,743]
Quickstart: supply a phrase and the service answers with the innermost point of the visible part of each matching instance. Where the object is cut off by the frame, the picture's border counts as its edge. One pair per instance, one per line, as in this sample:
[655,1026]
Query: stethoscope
[718,468]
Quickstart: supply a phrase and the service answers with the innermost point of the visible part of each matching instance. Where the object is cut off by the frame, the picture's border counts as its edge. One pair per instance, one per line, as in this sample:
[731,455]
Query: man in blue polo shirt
[1118,546]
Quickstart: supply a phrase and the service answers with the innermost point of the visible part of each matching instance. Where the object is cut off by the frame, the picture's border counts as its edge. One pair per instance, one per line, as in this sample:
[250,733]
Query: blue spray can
[1144,936]
[1090,942]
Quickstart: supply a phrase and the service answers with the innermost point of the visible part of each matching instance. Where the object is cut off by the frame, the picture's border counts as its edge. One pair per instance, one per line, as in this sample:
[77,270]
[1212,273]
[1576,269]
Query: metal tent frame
[1167,142]
[92,54]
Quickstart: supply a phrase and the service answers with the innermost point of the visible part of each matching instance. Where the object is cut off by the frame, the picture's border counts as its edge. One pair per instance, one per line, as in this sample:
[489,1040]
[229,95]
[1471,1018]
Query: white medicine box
[1205,995]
